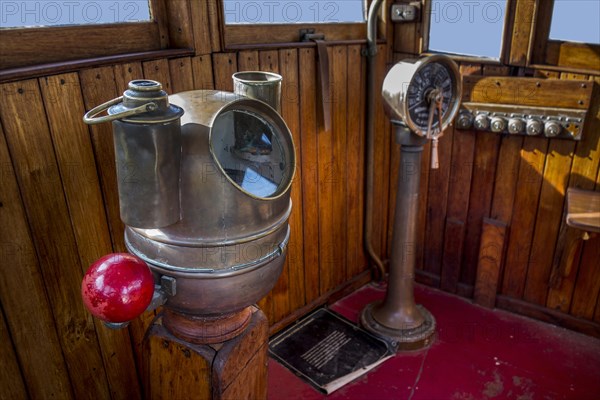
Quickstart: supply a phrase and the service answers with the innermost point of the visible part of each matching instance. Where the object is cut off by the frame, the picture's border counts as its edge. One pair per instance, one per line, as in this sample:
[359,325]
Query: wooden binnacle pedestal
[220,358]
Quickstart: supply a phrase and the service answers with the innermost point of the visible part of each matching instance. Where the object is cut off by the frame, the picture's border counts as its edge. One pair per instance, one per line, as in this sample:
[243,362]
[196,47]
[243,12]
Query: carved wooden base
[207,329]
[235,369]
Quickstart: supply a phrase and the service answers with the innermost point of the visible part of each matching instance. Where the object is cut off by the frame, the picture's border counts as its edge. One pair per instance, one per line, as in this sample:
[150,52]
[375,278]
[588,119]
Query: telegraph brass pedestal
[398,320]
[198,367]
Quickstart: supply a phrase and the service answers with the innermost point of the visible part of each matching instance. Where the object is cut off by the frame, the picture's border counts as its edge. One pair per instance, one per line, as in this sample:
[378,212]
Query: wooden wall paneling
[27,310]
[439,181]
[406,36]
[290,107]
[181,29]
[597,312]
[564,274]
[550,212]
[124,73]
[11,380]
[247,60]
[526,91]
[355,149]
[381,181]
[215,24]
[98,86]
[482,186]
[521,32]
[224,65]
[269,61]
[327,185]
[339,67]
[158,70]
[203,72]
[461,170]
[75,157]
[491,251]
[201,27]
[587,288]
[27,133]
[182,77]
[310,172]
[529,182]
[505,183]
[251,62]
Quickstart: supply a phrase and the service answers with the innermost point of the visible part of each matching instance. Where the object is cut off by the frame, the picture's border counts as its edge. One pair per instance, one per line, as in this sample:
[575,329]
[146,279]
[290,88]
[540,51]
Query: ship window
[565,35]
[28,14]
[281,21]
[468,28]
[576,21]
[290,11]
[40,32]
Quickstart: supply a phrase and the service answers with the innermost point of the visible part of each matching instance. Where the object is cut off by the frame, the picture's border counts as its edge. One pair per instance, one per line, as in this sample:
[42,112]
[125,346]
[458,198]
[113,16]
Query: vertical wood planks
[461,171]
[11,380]
[327,179]
[436,205]
[22,113]
[181,28]
[23,296]
[585,165]
[355,148]
[482,186]
[181,75]
[98,86]
[290,102]
[248,60]
[336,272]
[224,65]
[202,72]
[64,105]
[586,290]
[552,195]
[124,73]
[158,70]
[201,27]
[278,298]
[310,173]
[529,183]
[491,252]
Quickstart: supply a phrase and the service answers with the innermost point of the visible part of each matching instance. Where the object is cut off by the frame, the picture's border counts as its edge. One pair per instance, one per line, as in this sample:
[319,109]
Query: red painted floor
[478,354]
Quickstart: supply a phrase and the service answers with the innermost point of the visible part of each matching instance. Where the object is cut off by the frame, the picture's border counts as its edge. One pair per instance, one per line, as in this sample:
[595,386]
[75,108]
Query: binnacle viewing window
[280,21]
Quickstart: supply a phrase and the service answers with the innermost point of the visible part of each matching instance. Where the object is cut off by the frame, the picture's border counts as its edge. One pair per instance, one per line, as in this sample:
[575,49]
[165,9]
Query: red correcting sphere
[118,287]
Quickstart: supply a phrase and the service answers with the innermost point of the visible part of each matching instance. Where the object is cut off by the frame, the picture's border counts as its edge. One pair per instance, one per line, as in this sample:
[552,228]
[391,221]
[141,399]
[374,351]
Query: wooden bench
[582,221]
[583,210]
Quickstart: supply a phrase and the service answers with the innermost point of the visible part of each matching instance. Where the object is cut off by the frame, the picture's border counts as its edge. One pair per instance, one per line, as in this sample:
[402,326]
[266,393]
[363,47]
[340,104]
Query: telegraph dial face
[416,89]
[432,76]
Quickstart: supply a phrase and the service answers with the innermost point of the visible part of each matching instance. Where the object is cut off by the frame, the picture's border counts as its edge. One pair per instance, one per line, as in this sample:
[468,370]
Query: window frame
[541,52]
[27,47]
[505,43]
[235,36]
